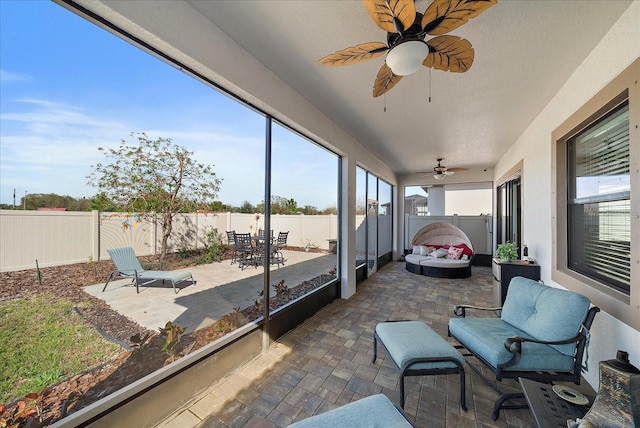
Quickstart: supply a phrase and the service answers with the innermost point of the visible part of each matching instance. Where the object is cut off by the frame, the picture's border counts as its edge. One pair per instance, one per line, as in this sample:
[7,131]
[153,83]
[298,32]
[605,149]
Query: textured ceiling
[524,51]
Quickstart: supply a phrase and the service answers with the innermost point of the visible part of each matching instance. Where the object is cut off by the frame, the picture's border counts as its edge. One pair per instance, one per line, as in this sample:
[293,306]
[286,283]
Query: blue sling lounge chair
[128,266]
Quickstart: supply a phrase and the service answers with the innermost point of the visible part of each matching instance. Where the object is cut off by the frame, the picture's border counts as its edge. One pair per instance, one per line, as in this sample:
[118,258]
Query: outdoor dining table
[261,239]
[275,257]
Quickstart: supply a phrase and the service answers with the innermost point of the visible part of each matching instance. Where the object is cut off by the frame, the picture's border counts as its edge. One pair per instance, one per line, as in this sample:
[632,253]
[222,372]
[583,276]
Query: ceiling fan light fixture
[439,176]
[407,57]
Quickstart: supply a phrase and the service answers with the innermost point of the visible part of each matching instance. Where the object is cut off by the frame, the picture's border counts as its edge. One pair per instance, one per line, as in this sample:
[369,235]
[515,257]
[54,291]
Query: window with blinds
[599,201]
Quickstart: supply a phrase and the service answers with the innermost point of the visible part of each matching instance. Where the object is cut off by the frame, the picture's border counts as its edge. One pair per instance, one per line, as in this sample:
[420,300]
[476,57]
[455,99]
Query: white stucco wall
[617,50]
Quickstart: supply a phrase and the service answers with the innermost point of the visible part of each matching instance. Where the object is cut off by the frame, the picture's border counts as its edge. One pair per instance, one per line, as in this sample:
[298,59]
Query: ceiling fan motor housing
[415,32]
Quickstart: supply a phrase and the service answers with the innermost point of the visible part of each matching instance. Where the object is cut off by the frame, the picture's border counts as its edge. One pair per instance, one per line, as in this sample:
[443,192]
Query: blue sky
[68,87]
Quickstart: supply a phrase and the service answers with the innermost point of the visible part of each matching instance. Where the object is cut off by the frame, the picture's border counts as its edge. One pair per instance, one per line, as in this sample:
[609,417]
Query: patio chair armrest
[460,310]
[514,344]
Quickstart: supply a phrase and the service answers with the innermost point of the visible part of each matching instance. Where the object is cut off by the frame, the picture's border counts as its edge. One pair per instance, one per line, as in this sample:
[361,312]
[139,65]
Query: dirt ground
[134,362]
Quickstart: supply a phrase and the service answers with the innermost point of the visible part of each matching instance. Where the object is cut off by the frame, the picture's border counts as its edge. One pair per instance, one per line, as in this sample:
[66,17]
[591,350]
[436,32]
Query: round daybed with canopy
[441,250]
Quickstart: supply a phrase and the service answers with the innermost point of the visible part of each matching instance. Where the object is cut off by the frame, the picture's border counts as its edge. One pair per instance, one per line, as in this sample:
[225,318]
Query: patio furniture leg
[109,278]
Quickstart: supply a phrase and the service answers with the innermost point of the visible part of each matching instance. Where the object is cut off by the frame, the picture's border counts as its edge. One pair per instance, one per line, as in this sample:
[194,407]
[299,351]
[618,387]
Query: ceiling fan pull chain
[430,84]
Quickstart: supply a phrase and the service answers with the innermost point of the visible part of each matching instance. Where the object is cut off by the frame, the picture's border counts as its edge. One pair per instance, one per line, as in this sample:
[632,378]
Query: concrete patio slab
[219,288]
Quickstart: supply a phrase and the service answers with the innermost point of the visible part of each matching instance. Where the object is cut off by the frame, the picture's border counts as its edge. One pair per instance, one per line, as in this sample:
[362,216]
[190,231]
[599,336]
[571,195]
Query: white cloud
[49,147]
[6,76]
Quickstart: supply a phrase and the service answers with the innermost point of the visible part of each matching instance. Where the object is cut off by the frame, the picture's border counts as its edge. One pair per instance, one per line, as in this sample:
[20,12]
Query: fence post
[197,214]
[155,236]
[95,235]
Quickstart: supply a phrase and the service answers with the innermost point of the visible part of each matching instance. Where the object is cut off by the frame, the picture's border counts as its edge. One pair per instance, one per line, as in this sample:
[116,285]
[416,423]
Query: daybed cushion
[444,263]
[435,261]
[415,258]
[440,252]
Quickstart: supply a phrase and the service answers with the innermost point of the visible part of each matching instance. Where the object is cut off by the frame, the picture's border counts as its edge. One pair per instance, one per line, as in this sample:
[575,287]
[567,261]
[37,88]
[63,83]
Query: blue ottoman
[416,350]
[373,411]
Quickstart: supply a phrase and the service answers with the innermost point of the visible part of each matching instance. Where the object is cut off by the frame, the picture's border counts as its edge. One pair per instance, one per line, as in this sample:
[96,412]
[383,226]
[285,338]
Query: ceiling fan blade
[385,80]
[443,16]
[393,16]
[449,172]
[452,170]
[354,54]
[449,53]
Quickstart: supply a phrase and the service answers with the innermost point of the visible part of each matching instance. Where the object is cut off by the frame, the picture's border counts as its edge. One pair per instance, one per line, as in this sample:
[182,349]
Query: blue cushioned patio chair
[542,334]
[128,266]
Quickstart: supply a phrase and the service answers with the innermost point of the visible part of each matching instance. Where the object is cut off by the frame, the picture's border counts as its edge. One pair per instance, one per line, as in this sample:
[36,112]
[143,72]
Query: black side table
[503,272]
[548,409]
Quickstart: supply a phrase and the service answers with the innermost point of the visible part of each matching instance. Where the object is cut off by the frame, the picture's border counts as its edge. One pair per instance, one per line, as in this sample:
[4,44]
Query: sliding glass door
[509,212]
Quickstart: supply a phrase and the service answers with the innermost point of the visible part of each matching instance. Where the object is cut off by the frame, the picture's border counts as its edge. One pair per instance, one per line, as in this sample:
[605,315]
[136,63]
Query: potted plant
[507,251]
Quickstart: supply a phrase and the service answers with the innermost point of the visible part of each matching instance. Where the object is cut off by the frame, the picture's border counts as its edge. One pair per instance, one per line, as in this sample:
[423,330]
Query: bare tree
[155,180]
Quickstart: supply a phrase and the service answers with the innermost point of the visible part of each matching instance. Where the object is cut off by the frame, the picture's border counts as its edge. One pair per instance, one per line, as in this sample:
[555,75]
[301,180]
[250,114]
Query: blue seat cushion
[485,337]
[376,411]
[407,340]
[546,313]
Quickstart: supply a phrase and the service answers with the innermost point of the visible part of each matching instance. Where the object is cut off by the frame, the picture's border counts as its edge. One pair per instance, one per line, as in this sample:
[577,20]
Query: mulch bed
[67,282]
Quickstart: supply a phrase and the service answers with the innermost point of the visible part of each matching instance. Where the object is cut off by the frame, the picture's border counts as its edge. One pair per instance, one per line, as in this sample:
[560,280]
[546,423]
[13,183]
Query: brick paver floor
[326,362]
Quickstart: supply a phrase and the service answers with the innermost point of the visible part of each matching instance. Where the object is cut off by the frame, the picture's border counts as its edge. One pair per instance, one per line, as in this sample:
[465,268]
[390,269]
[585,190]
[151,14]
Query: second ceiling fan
[406,30]
[440,171]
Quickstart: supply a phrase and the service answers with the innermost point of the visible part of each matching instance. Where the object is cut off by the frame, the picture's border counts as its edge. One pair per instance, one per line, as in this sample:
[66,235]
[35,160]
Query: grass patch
[43,341]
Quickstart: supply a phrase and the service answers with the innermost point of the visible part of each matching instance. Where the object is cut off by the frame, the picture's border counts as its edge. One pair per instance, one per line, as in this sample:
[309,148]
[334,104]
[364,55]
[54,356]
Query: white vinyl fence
[58,238]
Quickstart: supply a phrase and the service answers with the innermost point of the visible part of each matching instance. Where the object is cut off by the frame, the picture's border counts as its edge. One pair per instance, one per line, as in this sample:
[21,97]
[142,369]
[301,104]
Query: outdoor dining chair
[231,241]
[277,257]
[262,237]
[248,254]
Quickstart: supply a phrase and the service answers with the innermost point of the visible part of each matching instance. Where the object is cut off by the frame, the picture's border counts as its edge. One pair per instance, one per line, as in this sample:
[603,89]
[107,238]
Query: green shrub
[213,245]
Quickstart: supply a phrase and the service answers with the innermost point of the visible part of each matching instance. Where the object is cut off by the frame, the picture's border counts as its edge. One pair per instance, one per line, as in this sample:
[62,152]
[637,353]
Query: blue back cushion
[544,312]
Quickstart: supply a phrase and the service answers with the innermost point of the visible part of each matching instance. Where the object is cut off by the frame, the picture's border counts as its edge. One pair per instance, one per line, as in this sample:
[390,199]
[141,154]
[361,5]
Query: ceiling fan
[441,171]
[406,30]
